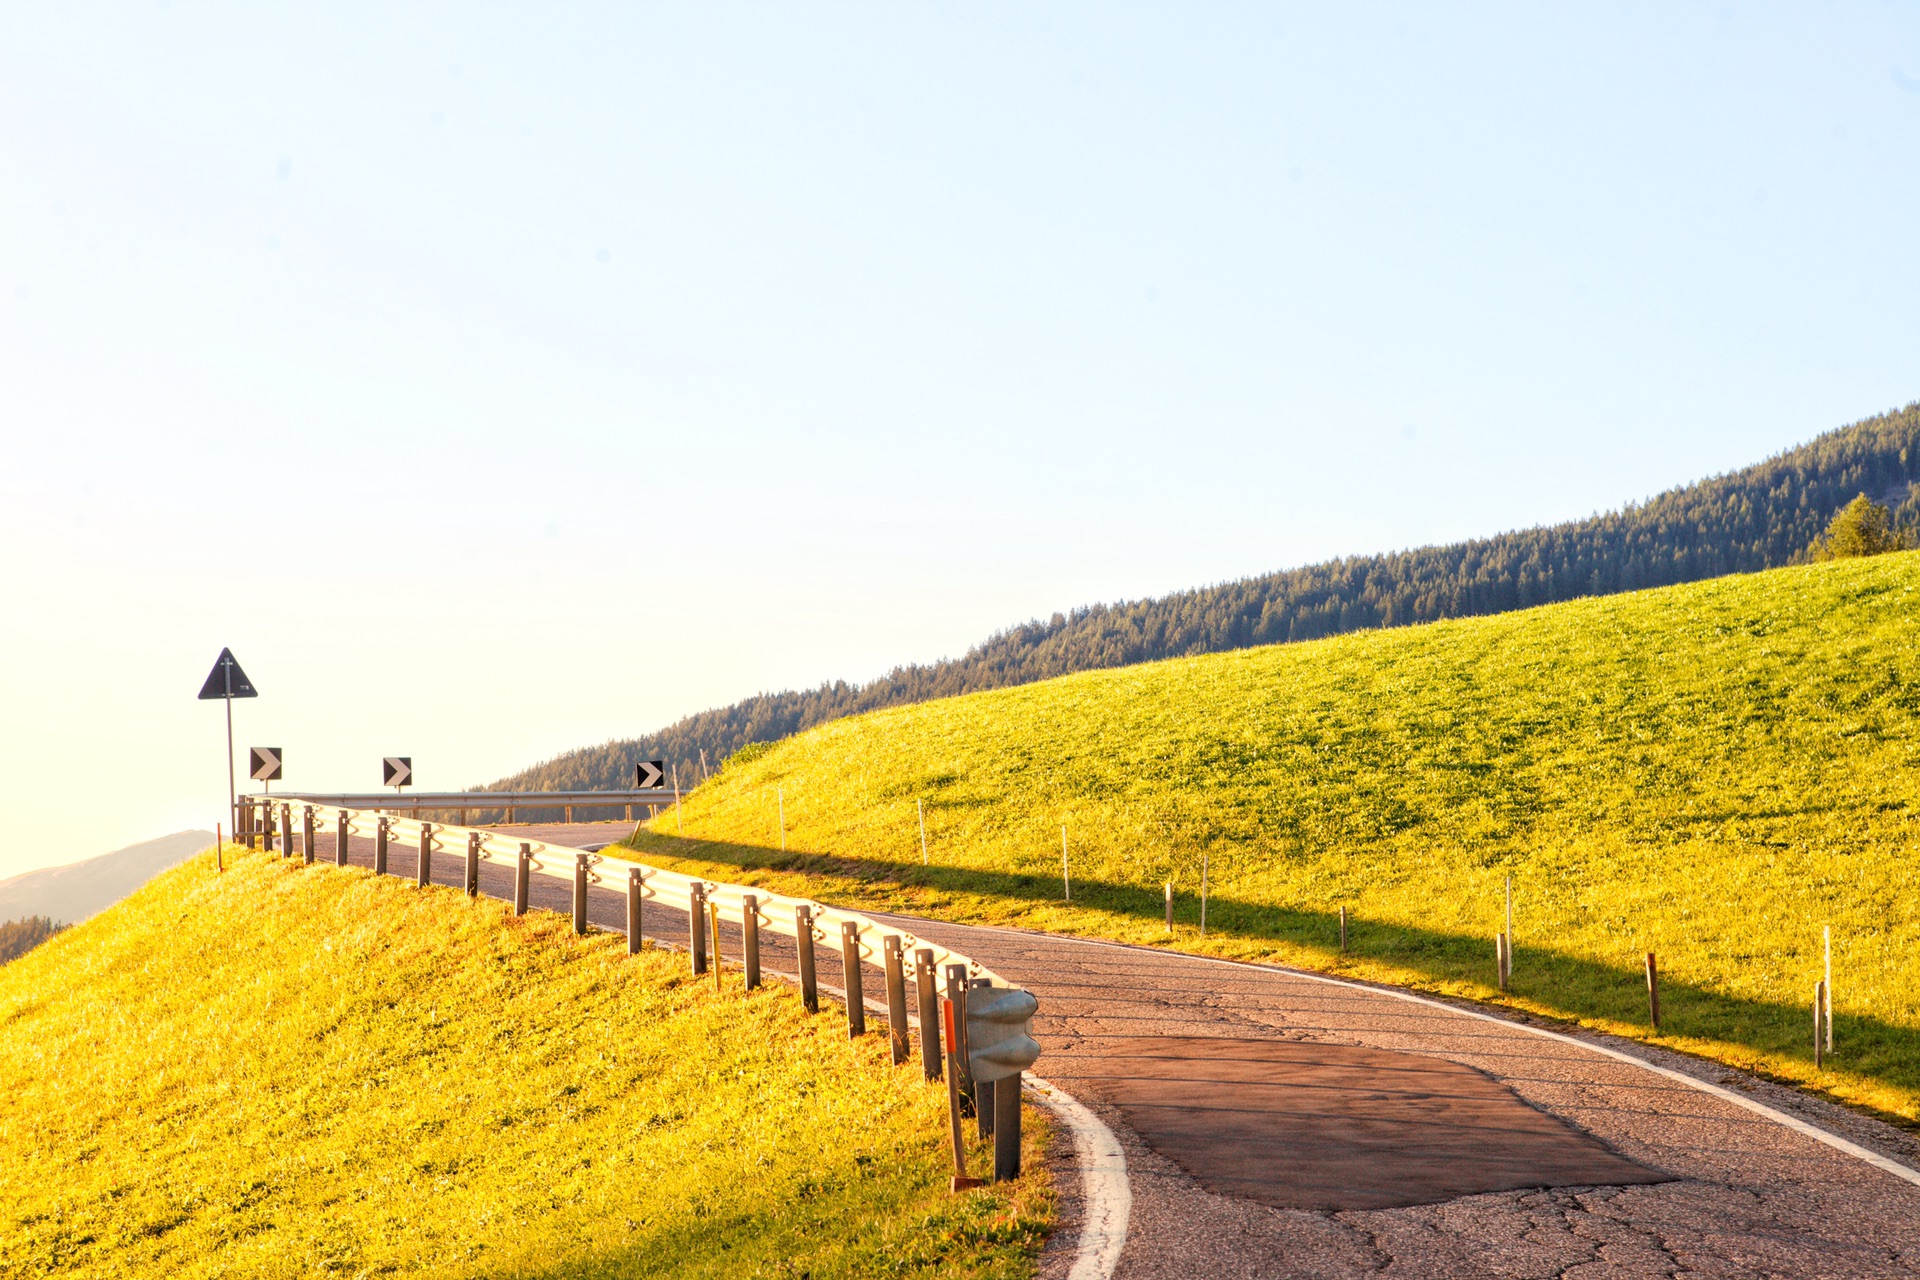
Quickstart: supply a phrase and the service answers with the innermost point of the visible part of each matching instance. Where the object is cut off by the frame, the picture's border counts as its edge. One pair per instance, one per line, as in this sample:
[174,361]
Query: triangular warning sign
[227,680]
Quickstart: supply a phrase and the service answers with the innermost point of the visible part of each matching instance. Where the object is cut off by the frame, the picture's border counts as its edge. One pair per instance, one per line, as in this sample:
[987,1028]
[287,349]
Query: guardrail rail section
[989,1041]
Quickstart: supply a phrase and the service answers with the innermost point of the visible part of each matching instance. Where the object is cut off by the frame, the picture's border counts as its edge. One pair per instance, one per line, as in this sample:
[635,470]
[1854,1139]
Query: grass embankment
[1711,772]
[287,1071]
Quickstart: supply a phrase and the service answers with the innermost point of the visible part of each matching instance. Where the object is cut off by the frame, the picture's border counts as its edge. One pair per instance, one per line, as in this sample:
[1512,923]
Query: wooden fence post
[342,833]
[803,943]
[1169,906]
[424,872]
[697,929]
[750,938]
[581,861]
[1343,929]
[1006,1128]
[929,998]
[636,909]
[850,974]
[522,874]
[1819,1010]
[306,834]
[713,912]
[473,864]
[896,997]
[1653,990]
[380,846]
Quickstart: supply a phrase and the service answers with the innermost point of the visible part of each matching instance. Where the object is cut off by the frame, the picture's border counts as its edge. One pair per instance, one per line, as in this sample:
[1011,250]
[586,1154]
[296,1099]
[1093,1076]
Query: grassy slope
[294,1072]
[1711,772]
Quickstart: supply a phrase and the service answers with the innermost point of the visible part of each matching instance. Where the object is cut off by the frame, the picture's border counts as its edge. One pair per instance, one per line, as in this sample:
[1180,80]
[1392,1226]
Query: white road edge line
[1103,1172]
[1834,1140]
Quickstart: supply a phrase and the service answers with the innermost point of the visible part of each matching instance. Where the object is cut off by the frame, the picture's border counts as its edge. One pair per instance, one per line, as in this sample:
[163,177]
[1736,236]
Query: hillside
[288,1071]
[75,891]
[1760,517]
[1711,772]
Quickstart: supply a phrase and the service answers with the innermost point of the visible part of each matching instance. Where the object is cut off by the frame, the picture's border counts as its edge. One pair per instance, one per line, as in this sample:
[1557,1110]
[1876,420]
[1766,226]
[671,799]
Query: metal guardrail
[464,802]
[982,1008]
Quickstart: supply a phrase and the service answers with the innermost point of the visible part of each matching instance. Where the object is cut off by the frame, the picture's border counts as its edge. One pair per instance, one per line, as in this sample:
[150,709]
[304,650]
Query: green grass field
[296,1072]
[1711,772]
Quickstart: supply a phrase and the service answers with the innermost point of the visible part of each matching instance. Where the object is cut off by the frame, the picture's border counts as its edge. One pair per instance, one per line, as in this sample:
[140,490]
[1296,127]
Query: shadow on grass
[1569,985]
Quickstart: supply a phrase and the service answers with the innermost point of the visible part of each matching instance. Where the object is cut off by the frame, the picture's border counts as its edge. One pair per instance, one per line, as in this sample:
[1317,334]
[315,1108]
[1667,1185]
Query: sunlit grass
[287,1071]
[1711,772]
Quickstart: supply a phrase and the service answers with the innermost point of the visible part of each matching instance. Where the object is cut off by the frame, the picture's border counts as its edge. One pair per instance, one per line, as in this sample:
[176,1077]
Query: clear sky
[501,379]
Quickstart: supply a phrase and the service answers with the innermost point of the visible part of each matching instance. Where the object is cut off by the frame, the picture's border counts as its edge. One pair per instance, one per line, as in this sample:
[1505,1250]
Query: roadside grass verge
[1711,772]
[309,1071]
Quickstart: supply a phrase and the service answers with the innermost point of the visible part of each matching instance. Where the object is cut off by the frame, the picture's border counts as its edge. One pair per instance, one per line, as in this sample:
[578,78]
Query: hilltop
[1712,772]
[286,1070]
[1761,517]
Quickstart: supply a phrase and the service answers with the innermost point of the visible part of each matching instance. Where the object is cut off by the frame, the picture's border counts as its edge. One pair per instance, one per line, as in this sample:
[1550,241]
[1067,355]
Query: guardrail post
[286,831]
[1006,1128]
[803,943]
[750,937]
[580,863]
[929,1012]
[569,811]
[957,1051]
[343,831]
[306,834]
[266,826]
[636,909]
[983,1090]
[380,847]
[850,970]
[473,864]
[423,874]
[522,873]
[697,929]
[896,997]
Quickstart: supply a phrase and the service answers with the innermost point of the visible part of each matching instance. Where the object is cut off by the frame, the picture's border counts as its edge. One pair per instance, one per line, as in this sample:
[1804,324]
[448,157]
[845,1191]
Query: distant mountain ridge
[69,894]
[1759,517]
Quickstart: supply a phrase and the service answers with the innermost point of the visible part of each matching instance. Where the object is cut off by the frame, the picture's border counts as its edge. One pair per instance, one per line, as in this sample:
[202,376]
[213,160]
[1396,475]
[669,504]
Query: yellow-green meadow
[287,1071]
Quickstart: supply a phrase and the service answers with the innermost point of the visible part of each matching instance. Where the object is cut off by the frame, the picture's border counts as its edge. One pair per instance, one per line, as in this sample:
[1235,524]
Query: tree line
[1763,516]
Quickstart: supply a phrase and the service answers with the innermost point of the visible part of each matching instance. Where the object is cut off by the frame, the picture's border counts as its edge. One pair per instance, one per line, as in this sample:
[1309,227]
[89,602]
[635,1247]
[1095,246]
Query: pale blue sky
[499,379]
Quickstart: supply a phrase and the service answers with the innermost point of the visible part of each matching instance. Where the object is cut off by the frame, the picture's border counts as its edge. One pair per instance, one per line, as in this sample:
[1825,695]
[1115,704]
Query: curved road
[1740,1194]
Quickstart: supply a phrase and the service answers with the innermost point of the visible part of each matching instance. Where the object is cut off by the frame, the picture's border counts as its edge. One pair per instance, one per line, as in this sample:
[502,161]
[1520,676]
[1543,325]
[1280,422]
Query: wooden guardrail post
[750,938]
[890,948]
[957,1059]
[266,826]
[713,917]
[636,909]
[286,831]
[1006,1128]
[380,847]
[342,832]
[522,873]
[923,981]
[423,874]
[697,929]
[306,834]
[850,973]
[983,1090]
[803,943]
[473,864]
[581,861]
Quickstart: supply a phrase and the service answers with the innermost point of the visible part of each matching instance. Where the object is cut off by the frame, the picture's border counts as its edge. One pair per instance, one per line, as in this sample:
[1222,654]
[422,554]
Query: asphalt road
[1744,1195]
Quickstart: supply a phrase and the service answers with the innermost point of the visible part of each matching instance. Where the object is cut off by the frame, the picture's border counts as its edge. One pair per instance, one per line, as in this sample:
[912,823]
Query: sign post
[228,681]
